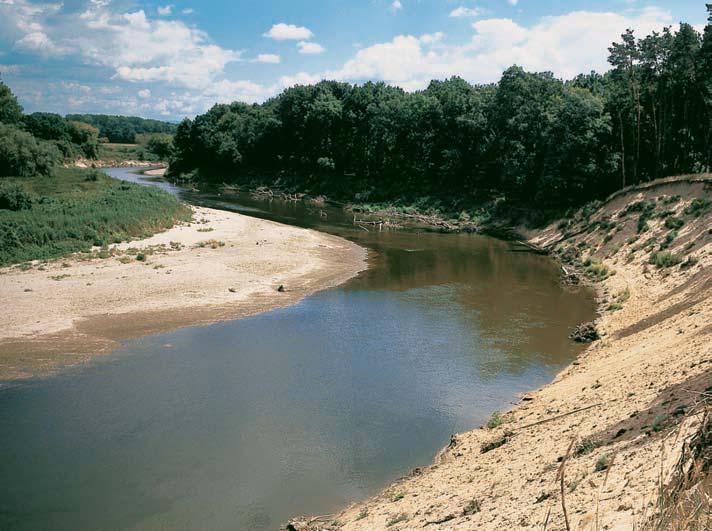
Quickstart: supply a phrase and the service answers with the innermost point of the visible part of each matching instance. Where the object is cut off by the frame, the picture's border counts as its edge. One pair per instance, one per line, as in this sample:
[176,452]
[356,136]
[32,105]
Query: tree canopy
[123,129]
[535,139]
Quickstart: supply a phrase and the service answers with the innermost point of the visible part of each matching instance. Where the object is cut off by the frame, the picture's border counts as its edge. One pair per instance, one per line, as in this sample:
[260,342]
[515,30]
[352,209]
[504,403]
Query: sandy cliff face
[612,427]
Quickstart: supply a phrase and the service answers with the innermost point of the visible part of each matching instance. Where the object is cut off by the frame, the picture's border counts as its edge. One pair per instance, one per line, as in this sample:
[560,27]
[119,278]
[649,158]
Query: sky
[172,59]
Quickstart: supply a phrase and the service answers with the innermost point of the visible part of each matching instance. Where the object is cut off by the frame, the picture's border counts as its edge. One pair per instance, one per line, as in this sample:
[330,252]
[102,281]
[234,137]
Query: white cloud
[465,12]
[21,22]
[284,32]
[431,38]
[188,11]
[513,2]
[39,42]
[310,48]
[267,58]
[147,50]
[566,45]
[164,10]
[396,5]
[144,94]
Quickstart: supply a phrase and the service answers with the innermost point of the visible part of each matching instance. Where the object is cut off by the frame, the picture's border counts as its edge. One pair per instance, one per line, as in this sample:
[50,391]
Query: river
[242,424]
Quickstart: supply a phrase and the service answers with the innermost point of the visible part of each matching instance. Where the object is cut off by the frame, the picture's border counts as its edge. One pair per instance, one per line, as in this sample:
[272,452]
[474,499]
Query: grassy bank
[116,154]
[73,210]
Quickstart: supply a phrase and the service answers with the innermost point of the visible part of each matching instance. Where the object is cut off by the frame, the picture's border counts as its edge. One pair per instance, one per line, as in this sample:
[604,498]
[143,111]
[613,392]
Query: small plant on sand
[396,519]
[206,229]
[213,244]
[472,507]
[595,270]
[363,514]
[495,420]
[397,496]
[603,463]
[674,223]
[698,207]
[691,261]
[662,259]
[492,445]
[658,423]
[585,446]
[141,257]
[669,238]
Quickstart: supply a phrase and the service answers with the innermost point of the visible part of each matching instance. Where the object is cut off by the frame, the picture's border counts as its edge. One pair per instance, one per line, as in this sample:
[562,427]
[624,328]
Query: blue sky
[171,59]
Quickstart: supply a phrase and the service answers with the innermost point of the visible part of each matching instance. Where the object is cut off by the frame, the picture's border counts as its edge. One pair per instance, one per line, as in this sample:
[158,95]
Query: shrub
[14,197]
[21,154]
[500,441]
[595,270]
[603,463]
[669,238]
[662,259]
[396,519]
[674,223]
[585,446]
[691,261]
[698,207]
[495,420]
[658,422]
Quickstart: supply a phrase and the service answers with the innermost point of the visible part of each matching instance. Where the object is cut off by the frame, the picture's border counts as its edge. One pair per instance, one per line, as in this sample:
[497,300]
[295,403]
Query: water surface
[241,424]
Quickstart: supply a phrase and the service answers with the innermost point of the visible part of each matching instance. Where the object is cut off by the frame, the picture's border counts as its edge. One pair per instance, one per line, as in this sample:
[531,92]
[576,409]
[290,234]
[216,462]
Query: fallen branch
[550,419]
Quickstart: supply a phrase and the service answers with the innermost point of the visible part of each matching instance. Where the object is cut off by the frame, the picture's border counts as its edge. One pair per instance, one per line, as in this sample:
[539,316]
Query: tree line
[531,138]
[123,129]
[32,144]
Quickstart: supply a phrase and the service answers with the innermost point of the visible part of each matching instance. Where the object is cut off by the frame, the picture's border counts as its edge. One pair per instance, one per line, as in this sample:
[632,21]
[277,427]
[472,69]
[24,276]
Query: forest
[123,129]
[531,139]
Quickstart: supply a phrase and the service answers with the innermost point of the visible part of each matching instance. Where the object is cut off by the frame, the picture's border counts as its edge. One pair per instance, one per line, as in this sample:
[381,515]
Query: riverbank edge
[427,494]
[90,304]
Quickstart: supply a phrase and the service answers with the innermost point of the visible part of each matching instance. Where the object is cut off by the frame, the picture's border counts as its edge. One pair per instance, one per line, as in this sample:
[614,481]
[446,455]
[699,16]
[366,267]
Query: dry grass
[685,502]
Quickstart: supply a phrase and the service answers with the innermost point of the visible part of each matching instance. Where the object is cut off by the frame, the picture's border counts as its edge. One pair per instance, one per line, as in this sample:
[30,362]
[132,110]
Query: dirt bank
[221,266]
[622,412]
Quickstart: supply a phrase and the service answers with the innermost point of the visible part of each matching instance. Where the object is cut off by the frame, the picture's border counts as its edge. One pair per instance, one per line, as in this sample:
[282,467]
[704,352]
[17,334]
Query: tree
[10,110]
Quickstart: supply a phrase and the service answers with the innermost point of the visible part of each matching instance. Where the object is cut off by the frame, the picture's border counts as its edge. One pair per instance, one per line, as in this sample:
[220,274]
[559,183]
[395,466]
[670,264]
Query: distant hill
[123,129]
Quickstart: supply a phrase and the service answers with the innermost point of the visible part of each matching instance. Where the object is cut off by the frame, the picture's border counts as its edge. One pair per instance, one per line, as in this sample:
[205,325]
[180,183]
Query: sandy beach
[622,412]
[221,266]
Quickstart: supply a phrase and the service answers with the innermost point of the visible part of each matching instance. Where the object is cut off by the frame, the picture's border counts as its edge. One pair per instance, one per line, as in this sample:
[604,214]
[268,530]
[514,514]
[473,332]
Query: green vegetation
[585,446]
[530,141]
[22,154]
[603,463]
[691,261]
[674,223]
[73,139]
[396,519]
[595,270]
[123,129]
[73,210]
[698,207]
[663,259]
[492,445]
[658,423]
[495,420]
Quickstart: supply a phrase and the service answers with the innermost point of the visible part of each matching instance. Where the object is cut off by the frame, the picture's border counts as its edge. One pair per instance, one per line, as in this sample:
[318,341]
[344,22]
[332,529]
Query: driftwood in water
[530,247]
